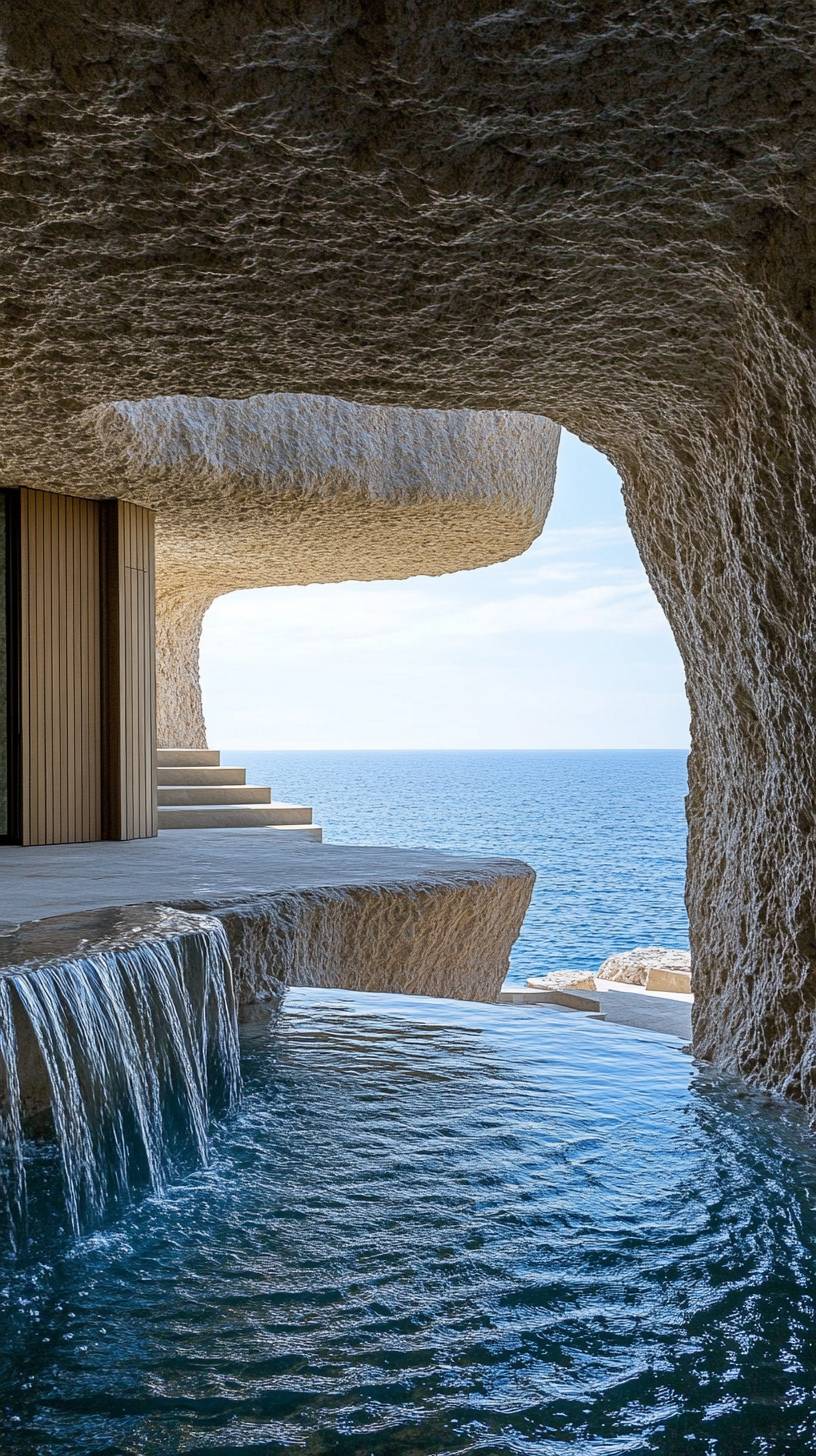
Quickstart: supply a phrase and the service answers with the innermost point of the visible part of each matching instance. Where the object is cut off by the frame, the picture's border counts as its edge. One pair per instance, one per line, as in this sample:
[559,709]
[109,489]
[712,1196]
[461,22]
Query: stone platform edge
[439,934]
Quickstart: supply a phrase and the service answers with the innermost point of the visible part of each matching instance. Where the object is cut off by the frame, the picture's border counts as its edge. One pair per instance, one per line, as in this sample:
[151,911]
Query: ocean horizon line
[291,748]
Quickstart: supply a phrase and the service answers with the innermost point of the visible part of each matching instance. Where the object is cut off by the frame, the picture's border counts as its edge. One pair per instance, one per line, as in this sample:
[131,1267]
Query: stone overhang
[366,919]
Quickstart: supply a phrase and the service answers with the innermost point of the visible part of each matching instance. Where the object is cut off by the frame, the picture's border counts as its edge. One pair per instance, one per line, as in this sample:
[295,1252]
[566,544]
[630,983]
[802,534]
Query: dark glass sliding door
[9,587]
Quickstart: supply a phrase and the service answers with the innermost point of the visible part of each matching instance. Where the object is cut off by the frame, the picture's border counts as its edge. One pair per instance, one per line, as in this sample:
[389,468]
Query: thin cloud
[324,617]
[565,644]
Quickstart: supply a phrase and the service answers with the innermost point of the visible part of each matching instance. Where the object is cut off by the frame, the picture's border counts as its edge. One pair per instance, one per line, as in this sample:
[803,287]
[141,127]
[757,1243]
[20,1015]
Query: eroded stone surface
[600,212]
[562,981]
[633,967]
[443,930]
[422,939]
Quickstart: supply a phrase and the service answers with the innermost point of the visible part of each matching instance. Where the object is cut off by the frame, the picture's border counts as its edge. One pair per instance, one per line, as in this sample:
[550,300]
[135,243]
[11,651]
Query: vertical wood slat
[60,519]
[38,809]
[25,684]
[129,757]
[60,683]
[139,589]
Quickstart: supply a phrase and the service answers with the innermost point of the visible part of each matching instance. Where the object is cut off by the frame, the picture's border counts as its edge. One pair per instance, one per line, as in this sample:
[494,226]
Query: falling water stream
[129,1048]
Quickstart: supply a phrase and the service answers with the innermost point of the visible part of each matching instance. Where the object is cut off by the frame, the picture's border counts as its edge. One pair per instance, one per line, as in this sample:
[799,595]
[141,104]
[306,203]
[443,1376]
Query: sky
[563,647]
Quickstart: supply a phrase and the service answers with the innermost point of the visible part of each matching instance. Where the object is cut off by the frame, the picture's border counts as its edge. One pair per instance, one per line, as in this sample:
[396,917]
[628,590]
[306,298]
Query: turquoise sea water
[605,832]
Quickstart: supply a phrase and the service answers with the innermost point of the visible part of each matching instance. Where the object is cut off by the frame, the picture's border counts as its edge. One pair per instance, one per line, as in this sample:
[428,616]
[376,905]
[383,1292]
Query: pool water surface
[438,1228]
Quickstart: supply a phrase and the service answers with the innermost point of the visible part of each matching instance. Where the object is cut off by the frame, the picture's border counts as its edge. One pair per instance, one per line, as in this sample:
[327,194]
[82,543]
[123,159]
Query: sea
[605,832]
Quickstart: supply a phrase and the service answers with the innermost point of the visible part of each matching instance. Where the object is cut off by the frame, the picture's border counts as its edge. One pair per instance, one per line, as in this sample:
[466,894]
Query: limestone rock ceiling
[283,489]
[599,212]
[541,207]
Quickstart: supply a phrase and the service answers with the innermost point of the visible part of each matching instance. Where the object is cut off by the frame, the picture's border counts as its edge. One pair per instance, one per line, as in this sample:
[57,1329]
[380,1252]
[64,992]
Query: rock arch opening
[563,648]
[721,515]
[604,218]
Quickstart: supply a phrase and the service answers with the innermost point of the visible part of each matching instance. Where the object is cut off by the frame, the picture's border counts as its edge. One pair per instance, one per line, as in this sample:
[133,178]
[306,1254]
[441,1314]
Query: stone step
[234,816]
[213,794]
[190,777]
[188,758]
[663,979]
[569,1000]
[196,792]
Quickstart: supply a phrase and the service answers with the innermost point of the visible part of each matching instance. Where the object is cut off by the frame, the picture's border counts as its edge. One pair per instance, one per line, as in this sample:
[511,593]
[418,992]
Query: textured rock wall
[179,619]
[420,940]
[600,212]
[734,586]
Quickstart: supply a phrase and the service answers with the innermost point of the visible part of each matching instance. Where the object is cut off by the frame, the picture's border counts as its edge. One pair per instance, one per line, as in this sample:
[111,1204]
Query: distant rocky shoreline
[652,967]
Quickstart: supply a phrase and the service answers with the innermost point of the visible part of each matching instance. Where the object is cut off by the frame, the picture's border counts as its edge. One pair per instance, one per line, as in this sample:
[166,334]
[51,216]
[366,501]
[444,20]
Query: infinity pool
[437,1228]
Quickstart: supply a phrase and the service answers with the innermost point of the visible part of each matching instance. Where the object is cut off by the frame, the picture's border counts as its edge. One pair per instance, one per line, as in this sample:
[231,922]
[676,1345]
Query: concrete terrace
[296,912]
[213,865]
[665,1012]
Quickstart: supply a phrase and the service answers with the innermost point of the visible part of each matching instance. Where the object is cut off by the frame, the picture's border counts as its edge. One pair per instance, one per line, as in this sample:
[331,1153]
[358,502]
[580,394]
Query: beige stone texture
[562,981]
[658,978]
[635,967]
[421,939]
[422,924]
[602,213]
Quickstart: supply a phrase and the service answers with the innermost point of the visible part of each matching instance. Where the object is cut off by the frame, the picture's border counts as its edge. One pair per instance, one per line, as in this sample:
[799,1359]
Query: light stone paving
[213,864]
[665,1012]
[299,913]
[662,1011]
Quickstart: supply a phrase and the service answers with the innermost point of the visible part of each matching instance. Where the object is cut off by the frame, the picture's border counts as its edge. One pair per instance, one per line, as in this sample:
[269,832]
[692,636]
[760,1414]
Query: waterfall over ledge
[131,1041]
[118,1019]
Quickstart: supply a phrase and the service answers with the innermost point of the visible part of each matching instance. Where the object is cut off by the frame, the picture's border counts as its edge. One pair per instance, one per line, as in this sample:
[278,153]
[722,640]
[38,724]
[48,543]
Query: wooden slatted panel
[129,758]
[60,669]
[138,588]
